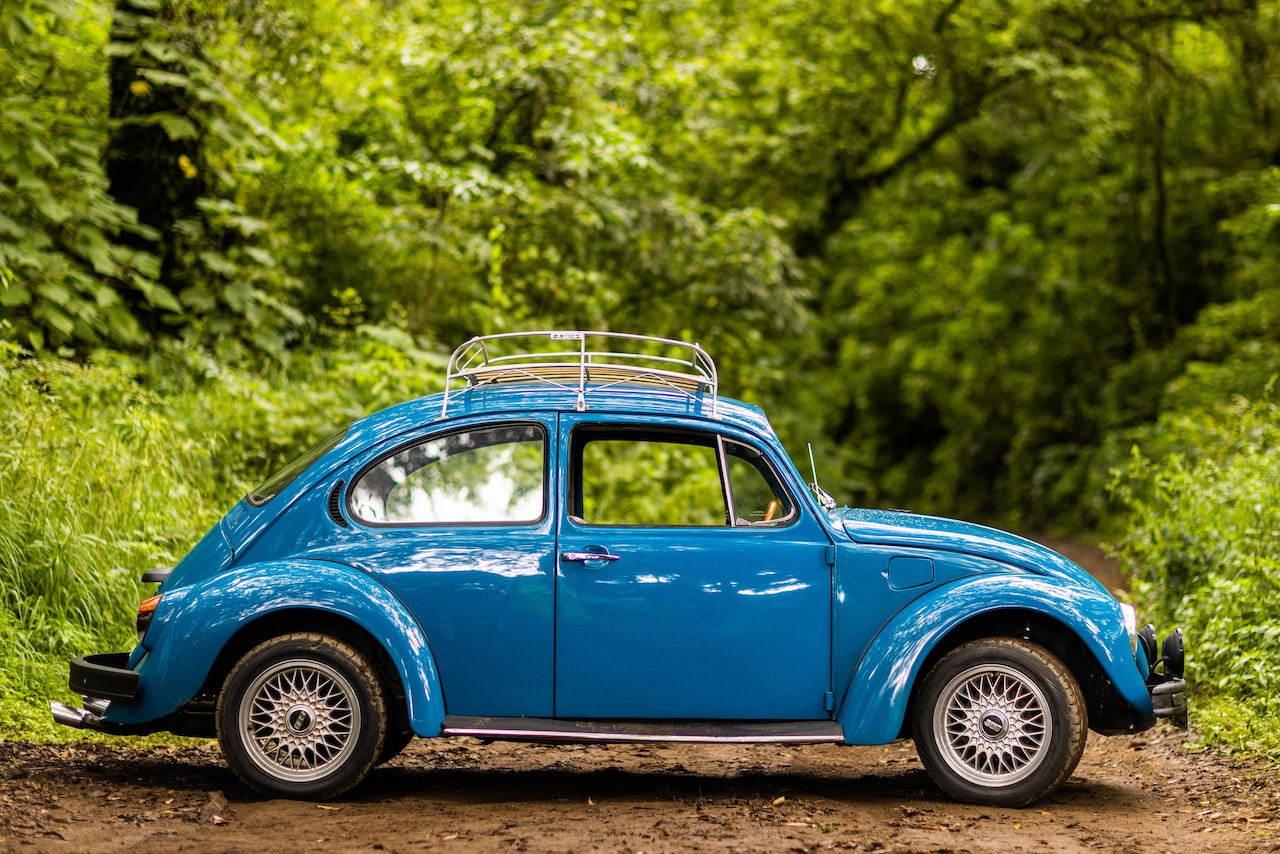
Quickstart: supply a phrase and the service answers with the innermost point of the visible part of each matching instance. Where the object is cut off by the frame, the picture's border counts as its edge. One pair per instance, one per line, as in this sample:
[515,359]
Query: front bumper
[1169,700]
[1165,681]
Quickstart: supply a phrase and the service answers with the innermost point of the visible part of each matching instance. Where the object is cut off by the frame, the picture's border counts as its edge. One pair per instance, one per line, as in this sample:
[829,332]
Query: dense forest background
[1014,260]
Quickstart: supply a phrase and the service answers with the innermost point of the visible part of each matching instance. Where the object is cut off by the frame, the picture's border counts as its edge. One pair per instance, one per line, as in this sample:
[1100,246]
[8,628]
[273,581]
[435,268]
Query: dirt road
[1146,793]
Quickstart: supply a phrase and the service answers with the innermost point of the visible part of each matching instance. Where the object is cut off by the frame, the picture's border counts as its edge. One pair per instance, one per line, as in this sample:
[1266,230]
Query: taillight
[146,611]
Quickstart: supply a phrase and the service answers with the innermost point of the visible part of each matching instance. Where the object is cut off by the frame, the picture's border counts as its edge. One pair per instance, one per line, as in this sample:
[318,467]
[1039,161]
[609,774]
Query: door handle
[587,557]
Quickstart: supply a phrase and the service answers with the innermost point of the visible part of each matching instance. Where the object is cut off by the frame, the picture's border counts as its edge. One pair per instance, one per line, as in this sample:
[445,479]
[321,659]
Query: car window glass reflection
[758,498]
[479,476]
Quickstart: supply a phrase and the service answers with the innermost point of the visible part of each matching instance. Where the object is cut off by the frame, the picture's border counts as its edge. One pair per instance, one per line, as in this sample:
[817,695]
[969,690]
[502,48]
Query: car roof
[521,398]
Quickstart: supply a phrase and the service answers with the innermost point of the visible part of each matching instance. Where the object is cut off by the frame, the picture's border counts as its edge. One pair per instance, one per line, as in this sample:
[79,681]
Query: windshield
[289,472]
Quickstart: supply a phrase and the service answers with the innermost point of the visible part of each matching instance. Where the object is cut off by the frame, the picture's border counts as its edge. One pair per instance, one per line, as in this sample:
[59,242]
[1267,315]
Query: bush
[107,471]
[1203,551]
[98,486]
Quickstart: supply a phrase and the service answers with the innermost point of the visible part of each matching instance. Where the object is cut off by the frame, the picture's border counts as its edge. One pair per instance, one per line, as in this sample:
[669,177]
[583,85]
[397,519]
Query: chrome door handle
[587,557]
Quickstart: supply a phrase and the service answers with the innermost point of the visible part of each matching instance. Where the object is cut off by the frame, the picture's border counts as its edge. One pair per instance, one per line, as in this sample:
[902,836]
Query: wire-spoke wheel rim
[300,720]
[992,725]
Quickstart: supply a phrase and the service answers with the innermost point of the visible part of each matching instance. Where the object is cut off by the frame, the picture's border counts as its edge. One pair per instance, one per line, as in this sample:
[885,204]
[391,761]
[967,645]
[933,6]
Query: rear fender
[193,624]
[875,703]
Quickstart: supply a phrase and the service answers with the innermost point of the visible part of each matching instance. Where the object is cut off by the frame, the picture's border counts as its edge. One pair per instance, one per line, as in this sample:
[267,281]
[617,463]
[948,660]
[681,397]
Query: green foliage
[98,487]
[1202,552]
[106,475]
[630,482]
[62,268]
[182,141]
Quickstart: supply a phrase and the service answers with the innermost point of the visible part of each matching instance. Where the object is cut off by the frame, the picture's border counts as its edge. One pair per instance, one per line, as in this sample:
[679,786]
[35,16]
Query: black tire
[393,745]
[302,716]
[1000,722]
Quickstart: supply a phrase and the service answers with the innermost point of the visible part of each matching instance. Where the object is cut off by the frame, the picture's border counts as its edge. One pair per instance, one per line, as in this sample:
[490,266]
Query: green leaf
[54,210]
[43,153]
[55,293]
[241,296]
[158,296]
[120,49]
[13,294]
[165,78]
[20,26]
[176,127]
[94,248]
[9,227]
[163,51]
[55,317]
[218,263]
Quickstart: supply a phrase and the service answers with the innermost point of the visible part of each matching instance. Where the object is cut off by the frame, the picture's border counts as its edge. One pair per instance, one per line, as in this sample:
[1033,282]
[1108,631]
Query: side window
[758,497]
[492,475]
[648,479]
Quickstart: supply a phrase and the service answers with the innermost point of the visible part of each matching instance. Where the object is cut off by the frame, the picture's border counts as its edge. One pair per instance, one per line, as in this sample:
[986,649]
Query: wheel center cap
[300,720]
[994,725]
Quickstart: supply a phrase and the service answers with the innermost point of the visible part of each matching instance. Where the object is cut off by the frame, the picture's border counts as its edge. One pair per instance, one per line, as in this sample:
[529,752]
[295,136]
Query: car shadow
[563,779]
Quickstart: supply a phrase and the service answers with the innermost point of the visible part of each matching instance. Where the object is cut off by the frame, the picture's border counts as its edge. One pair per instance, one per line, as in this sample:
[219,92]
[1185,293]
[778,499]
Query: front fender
[193,624]
[875,703]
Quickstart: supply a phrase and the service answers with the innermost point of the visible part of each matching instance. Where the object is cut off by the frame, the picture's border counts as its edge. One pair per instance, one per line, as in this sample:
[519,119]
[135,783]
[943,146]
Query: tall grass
[107,471]
[96,486]
[1203,550]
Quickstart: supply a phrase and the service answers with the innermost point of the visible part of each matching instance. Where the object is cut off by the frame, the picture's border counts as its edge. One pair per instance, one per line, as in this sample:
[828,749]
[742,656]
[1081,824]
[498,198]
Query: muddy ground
[1149,793]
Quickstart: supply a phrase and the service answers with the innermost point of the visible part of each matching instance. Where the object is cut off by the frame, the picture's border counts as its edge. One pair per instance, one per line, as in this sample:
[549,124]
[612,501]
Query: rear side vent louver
[335,503]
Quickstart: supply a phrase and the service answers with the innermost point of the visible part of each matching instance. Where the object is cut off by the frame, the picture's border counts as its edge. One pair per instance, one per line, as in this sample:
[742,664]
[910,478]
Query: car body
[581,540]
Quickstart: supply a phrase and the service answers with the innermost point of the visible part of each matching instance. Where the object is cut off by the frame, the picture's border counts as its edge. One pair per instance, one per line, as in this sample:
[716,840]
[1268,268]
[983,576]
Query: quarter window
[493,476]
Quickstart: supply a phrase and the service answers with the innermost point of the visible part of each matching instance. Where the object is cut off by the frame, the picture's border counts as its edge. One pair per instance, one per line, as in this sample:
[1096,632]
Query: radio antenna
[828,503]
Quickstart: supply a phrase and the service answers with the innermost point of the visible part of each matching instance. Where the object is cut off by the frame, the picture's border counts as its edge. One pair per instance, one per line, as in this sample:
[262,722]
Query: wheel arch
[300,620]
[879,694]
[208,629]
[1044,630]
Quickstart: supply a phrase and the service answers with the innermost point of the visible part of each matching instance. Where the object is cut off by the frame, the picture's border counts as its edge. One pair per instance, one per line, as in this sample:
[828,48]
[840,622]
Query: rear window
[289,472]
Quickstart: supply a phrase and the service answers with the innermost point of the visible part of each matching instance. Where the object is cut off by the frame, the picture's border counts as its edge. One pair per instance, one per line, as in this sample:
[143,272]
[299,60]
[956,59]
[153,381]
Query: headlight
[1130,625]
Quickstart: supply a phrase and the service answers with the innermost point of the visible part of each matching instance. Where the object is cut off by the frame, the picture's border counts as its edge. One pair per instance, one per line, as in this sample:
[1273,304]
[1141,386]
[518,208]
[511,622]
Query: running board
[645,732]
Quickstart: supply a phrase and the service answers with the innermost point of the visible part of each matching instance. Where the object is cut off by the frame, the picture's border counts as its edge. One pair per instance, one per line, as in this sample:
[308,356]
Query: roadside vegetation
[1012,261]
[1203,550]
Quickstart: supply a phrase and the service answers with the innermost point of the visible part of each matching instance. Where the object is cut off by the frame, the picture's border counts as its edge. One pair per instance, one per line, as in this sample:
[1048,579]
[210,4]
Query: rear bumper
[100,680]
[105,675]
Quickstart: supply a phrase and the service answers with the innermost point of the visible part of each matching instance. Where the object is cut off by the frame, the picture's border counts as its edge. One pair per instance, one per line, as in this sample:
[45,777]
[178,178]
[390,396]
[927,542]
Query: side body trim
[645,732]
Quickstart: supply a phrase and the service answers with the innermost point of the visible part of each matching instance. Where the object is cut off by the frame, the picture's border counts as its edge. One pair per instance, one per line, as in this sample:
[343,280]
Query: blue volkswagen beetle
[580,540]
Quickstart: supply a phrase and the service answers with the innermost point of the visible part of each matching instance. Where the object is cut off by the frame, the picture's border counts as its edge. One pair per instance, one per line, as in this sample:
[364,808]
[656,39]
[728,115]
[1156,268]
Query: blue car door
[691,583]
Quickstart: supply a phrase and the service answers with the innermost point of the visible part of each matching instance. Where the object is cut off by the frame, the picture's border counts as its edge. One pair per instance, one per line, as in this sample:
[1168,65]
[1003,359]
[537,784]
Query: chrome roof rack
[581,362]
